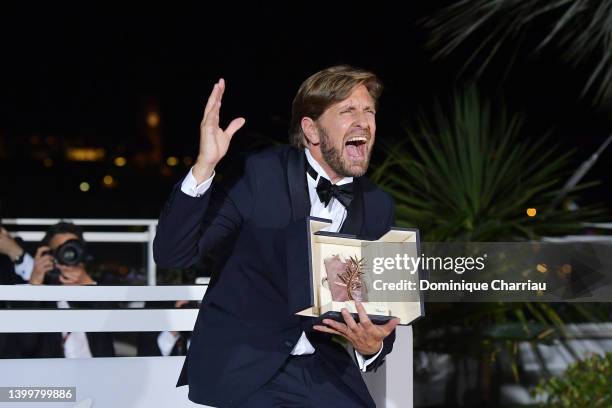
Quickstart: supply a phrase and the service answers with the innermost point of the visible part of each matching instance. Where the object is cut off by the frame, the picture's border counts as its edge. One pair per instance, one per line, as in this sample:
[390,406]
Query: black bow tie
[326,190]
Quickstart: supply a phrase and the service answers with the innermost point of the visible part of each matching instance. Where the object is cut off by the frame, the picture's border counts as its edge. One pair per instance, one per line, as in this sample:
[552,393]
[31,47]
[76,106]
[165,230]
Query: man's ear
[310,130]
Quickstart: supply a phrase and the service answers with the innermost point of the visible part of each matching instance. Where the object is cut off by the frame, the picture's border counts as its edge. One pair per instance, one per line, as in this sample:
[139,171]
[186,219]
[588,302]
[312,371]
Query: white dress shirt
[25,268]
[166,342]
[75,344]
[333,211]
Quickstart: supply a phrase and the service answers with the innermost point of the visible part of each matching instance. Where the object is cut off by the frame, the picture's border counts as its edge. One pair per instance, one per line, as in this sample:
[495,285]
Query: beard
[335,159]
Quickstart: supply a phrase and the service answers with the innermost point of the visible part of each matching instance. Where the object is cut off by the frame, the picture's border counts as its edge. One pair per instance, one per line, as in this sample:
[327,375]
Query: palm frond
[580,30]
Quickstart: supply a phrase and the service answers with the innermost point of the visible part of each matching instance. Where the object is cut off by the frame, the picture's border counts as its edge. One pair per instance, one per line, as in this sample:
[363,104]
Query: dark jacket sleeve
[189,227]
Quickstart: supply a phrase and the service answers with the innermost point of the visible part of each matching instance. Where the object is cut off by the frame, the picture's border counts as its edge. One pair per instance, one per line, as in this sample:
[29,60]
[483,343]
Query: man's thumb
[234,126]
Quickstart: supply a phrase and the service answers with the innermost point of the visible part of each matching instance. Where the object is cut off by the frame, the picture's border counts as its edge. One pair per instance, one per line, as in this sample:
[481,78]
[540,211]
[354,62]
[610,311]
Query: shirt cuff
[166,342]
[191,187]
[363,364]
[24,269]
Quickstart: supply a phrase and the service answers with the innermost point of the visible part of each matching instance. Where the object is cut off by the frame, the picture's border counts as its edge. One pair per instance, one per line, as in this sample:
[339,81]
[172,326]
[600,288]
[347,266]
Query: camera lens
[71,252]
[69,255]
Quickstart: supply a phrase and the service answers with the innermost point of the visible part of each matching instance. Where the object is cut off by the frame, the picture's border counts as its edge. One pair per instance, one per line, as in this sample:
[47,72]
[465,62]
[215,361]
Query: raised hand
[214,141]
[8,246]
[43,263]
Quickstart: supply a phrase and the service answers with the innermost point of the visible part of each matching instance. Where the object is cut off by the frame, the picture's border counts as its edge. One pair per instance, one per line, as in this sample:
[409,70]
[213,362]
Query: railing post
[151,268]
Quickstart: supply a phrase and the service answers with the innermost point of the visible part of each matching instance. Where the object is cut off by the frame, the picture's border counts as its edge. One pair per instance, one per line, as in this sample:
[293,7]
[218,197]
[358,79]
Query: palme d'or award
[340,269]
[344,278]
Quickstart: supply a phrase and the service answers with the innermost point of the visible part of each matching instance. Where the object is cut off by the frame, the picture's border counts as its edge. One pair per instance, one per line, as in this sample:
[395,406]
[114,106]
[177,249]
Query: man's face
[346,133]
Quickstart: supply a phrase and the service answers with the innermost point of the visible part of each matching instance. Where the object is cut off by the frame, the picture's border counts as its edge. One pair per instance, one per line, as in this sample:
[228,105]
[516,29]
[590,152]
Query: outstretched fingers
[216,107]
[212,99]
[326,329]
[221,88]
[348,319]
[364,320]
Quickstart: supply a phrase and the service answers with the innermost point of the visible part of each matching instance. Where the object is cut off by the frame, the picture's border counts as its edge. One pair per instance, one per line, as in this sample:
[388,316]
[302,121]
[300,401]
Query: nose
[362,121]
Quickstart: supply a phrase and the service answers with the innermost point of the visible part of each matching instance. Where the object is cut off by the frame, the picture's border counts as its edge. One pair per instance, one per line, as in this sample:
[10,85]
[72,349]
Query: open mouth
[356,147]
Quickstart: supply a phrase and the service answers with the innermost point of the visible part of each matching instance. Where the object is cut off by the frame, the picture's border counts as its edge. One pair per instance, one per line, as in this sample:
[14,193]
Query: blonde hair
[323,89]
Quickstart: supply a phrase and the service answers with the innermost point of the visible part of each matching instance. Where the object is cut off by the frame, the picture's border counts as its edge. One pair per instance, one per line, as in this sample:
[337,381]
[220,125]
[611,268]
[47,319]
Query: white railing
[134,382]
[137,382]
[106,320]
[146,236]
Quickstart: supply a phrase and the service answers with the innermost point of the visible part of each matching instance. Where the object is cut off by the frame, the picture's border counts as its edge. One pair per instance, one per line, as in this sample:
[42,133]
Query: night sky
[88,80]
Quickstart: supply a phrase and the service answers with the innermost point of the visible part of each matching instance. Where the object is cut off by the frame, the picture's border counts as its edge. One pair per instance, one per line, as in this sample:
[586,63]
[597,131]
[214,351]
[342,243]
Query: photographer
[62,259]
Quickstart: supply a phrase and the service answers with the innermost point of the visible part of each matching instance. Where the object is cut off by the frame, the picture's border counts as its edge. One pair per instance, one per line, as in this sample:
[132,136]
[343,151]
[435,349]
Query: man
[248,348]
[69,344]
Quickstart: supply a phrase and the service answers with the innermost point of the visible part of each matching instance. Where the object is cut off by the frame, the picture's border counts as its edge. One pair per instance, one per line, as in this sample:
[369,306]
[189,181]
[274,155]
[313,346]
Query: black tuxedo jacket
[246,327]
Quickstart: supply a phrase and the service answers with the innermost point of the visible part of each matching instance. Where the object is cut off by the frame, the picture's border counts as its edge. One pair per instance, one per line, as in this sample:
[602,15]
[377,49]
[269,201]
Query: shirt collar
[315,165]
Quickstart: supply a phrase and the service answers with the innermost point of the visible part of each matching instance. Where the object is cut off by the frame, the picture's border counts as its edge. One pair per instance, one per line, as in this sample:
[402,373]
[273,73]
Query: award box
[340,271]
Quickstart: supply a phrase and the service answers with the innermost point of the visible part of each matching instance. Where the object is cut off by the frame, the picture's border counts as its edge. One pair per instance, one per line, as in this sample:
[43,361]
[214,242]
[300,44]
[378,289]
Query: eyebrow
[351,106]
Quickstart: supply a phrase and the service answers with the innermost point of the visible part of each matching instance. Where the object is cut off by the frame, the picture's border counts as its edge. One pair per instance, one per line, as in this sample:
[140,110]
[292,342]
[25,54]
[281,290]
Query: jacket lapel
[299,293]
[298,188]
[354,215]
